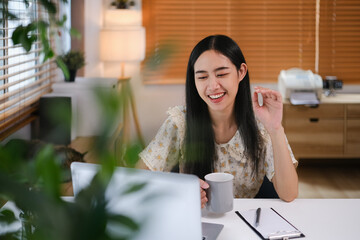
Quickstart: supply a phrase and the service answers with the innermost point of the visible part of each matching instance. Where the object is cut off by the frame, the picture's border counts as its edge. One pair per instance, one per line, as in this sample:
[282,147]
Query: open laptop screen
[168,206]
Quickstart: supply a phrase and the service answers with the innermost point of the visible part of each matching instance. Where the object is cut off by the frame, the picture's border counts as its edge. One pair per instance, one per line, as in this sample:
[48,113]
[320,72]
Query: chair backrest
[267,190]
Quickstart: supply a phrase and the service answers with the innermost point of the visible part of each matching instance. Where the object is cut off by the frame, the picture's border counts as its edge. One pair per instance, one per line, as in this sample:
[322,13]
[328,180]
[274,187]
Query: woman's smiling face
[217,80]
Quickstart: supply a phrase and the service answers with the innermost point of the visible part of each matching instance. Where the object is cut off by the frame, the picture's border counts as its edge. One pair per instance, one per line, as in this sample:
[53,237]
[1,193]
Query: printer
[301,87]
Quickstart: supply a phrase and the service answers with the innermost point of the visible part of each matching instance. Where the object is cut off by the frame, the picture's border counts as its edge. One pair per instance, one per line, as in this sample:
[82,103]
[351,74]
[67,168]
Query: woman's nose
[213,82]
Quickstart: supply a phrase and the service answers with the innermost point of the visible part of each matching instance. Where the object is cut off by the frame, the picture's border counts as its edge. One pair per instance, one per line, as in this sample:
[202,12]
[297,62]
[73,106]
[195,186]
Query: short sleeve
[269,155]
[164,151]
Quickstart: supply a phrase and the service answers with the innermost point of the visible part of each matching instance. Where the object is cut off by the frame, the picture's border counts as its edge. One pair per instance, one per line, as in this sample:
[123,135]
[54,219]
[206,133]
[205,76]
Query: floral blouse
[166,151]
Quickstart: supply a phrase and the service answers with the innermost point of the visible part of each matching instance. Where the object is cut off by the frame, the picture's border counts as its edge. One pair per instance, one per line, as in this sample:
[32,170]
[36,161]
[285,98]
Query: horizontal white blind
[273,35]
[24,77]
[340,39]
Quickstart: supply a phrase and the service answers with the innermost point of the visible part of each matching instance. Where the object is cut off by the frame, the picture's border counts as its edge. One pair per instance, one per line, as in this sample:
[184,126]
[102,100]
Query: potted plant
[33,185]
[122,4]
[73,60]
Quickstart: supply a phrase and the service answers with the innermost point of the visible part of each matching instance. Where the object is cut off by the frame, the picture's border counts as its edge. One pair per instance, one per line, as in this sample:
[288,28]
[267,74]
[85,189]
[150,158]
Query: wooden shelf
[330,130]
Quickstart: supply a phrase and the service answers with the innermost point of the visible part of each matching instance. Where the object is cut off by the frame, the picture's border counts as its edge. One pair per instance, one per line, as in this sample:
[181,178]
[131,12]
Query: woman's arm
[141,165]
[270,115]
[285,178]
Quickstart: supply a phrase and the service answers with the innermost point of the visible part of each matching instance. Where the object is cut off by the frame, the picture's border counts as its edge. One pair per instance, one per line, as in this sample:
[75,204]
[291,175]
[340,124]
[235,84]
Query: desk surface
[339,98]
[316,218]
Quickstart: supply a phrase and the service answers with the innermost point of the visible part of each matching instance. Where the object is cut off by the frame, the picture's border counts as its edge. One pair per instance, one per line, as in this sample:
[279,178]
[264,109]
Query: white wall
[152,101]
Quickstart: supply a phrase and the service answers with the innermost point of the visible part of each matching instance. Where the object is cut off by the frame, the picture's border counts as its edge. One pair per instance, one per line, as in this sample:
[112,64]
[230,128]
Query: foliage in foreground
[34,186]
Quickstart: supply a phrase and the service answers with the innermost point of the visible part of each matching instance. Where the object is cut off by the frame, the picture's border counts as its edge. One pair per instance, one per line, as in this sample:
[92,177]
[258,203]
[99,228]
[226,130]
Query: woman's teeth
[216,96]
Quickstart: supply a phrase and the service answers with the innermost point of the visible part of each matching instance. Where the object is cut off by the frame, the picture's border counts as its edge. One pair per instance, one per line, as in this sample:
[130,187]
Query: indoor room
[109,84]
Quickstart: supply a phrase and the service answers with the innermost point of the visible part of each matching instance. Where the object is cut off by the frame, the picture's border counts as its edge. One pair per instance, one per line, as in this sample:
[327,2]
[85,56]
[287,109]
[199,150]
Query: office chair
[267,190]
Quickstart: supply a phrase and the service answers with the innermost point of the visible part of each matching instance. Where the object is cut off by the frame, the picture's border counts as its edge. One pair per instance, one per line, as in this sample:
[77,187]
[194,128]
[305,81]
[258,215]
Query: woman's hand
[203,185]
[270,113]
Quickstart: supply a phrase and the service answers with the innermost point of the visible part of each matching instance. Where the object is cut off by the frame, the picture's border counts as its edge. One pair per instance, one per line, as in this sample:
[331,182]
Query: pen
[258,212]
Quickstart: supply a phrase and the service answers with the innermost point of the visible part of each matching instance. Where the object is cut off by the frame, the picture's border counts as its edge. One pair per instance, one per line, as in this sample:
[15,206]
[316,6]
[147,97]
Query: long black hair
[200,138]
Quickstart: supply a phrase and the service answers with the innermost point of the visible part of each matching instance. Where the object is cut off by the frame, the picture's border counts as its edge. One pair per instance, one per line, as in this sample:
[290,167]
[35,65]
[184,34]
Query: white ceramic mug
[220,192]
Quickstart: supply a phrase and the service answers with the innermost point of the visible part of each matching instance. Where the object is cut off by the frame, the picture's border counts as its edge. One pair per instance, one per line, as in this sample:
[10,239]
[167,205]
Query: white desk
[316,218]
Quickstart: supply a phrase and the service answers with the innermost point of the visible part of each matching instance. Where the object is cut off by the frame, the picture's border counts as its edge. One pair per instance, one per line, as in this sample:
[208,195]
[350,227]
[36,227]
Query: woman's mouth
[216,97]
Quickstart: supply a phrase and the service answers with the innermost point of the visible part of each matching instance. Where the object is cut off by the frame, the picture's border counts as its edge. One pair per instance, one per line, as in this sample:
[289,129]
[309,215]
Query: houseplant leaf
[24,35]
[63,67]
[7,216]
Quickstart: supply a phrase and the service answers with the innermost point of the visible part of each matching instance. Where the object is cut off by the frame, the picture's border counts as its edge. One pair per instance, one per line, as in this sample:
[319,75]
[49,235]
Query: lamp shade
[122,17]
[125,45]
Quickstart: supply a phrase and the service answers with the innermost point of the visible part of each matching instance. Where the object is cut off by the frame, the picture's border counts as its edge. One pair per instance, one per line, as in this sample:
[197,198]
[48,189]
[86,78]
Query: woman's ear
[242,71]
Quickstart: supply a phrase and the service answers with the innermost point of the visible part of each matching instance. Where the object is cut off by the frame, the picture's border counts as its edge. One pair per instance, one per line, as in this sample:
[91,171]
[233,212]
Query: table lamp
[124,45]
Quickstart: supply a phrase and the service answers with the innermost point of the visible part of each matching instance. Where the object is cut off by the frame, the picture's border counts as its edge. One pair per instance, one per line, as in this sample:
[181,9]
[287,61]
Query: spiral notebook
[271,225]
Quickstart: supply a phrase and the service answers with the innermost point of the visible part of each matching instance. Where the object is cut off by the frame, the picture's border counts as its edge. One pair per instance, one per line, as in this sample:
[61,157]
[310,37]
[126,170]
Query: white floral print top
[166,150]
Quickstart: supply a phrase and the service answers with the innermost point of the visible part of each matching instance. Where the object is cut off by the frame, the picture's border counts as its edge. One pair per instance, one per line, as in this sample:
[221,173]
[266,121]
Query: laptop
[168,206]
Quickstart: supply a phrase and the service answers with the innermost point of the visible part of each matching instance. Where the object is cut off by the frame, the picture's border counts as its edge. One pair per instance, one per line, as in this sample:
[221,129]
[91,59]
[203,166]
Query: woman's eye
[221,74]
[202,77]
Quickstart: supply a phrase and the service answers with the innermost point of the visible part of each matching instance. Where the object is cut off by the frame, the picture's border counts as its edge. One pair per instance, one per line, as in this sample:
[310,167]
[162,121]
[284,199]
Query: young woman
[217,130]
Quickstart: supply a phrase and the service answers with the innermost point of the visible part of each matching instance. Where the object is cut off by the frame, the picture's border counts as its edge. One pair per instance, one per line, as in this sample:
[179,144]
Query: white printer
[301,87]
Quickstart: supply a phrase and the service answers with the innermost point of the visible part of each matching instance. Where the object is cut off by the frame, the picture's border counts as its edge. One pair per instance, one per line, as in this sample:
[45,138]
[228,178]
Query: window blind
[24,76]
[340,39]
[273,35]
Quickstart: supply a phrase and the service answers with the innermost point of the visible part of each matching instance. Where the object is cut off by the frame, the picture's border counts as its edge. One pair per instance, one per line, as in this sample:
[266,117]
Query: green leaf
[48,171]
[134,188]
[132,153]
[26,3]
[60,23]
[73,59]
[42,27]
[11,236]
[111,105]
[63,67]
[11,154]
[17,34]
[161,54]
[7,15]
[107,166]
[7,216]
[24,35]
[49,6]
[125,221]
[75,33]
[41,24]
[48,55]
[31,27]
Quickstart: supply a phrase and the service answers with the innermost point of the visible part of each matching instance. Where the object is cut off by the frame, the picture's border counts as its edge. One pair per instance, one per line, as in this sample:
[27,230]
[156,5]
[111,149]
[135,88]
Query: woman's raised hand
[203,185]
[270,113]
